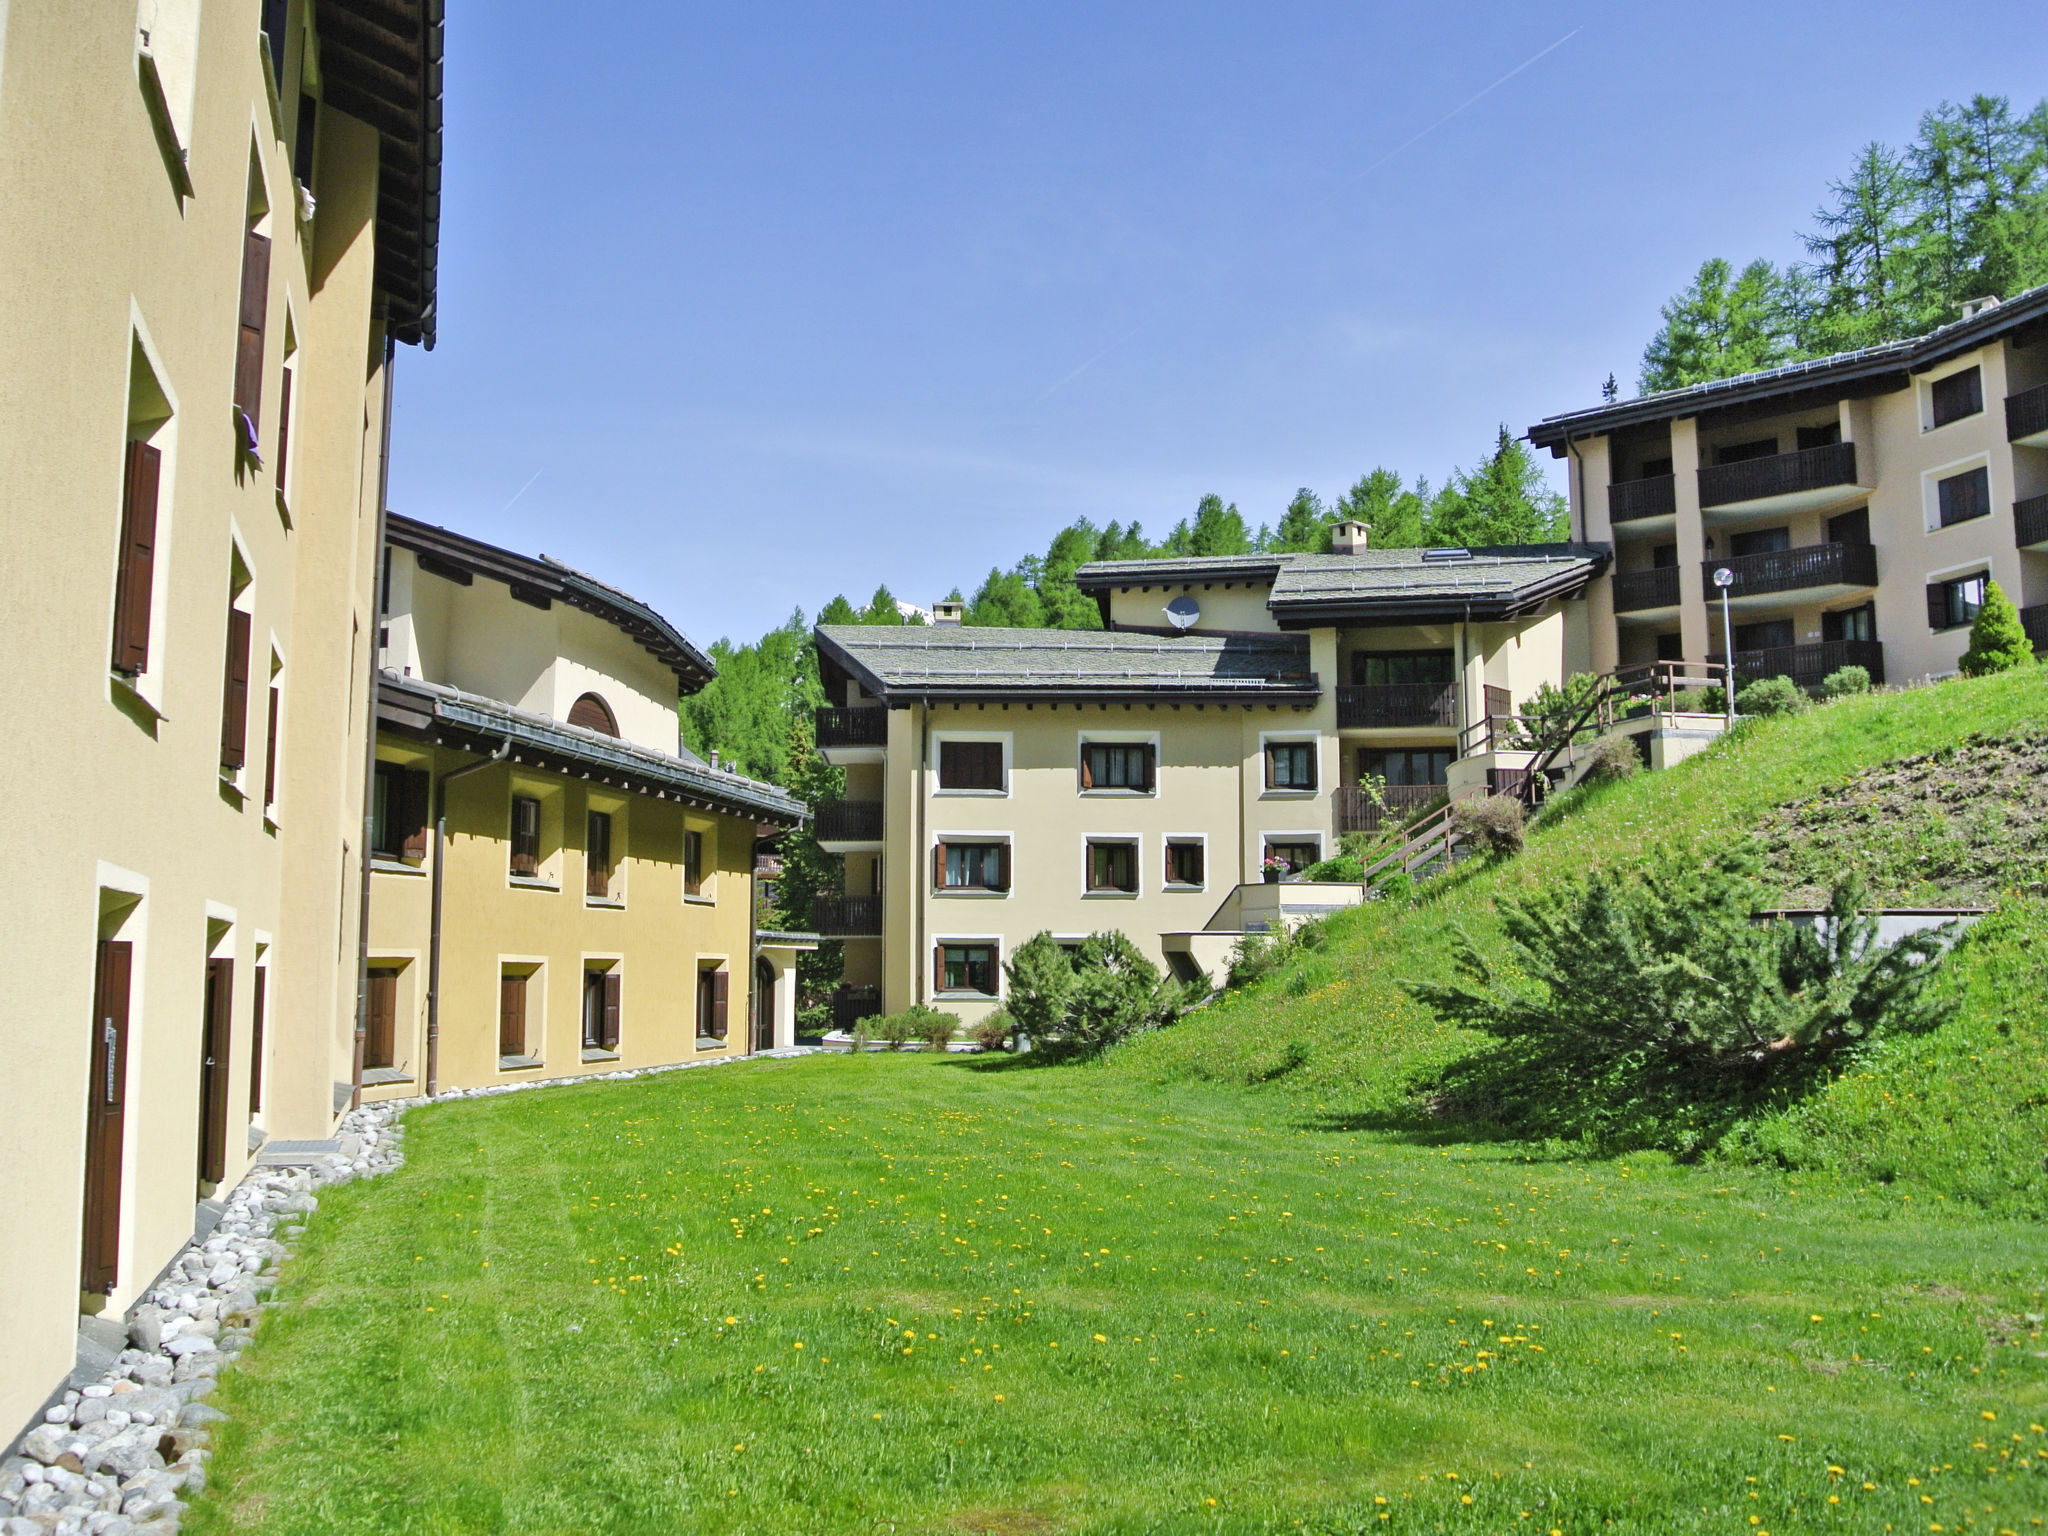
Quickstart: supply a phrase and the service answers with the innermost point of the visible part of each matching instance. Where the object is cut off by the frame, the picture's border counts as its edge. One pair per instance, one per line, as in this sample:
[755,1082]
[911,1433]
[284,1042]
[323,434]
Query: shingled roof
[917,663]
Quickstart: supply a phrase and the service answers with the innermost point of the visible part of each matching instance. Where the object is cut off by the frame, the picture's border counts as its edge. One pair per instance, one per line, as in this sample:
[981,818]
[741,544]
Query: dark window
[511,1013]
[234,702]
[135,578]
[270,752]
[309,128]
[255,311]
[1296,856]
[1964,496]
[1850,624]
[711,1005]
[1183,863]
[1952,604]
[693,863]
[593,714]
[1113,866]
[106,1118]
[284,420]
[600,1010]
[380,1017]
[1664,557]
[1850,527]
[597,855]
[1957,396]
[1290,765]
[259,999]
[398,821]
[971,866]
[1736,453]
[1405,765]
[970,765]
[1760,541]
[1116,765]
[525,836]
[272,25]
[1822,436]
[1652,468]
[1671,647]
[1373,669]
[966,968]
[216,1051]
[1766,635]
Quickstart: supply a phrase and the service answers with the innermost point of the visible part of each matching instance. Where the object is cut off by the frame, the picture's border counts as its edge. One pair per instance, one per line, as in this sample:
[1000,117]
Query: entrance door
[764,1006]
[106,1118]
[213,1071]
[380,1017]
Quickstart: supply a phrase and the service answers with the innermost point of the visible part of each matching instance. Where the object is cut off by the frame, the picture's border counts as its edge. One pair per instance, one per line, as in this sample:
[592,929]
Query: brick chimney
[1349,538]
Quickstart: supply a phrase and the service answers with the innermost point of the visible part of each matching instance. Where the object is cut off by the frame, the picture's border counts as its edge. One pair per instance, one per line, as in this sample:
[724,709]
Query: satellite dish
[1183,613]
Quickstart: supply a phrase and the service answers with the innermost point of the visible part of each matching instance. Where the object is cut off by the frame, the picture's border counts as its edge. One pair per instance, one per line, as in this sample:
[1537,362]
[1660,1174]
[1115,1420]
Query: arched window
[593,714]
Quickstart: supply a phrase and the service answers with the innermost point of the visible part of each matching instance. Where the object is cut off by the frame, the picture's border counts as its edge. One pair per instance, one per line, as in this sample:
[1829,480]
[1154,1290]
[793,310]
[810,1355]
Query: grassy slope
[1963,1114]
[912,1294]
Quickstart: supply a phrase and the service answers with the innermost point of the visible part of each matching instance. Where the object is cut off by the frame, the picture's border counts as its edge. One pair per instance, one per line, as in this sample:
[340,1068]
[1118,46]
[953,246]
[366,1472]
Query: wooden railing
[848,821]
[852,1004]
[2035,621]
[1807,665]
[2030,521]
[1637,590]
[853,727]
[1375,706]
[1652,496]
[1361,810]
[1788,570]
[835,916]
[2026,413]
[1780,474]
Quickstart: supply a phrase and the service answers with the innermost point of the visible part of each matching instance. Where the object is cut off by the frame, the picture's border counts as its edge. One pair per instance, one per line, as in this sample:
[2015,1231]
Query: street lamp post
[1724,578]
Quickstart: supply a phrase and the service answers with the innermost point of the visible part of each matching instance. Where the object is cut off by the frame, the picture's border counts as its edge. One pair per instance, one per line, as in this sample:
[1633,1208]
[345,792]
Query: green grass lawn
[915,1294]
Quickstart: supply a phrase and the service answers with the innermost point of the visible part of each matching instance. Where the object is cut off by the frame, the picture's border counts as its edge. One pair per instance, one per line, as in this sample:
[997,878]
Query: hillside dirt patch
[1951,828]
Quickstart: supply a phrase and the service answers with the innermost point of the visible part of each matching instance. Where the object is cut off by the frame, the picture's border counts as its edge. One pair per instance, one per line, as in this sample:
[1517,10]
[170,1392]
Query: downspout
[920,964]
[1578,479]
[434,929]
[754,942]
[355,1097]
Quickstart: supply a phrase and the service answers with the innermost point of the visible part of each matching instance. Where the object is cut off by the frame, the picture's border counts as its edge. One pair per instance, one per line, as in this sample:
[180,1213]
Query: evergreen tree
[1396,516]
[1303,528]
[746,712]
[1998,641]
[1119,543]
[807,869]
[1218,530]
[1721,325]
[1504,501]
[1865,258]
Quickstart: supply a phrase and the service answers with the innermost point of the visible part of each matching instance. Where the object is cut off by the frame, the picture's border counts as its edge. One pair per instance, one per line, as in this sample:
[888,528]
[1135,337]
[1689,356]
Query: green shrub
[1344,867]
[993,1030]
[1770,696]
[1082,1005]
[1998,641]
[1844,681]
[1545,711]
[1711,700]
[863,1034]
[936,1028]
[1494,824]
[1612,759]
[1041,976]
[898,1029]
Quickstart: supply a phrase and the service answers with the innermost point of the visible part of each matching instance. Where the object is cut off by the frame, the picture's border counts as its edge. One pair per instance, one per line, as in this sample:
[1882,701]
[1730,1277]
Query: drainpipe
[921,962]
[355,1097]
[1578,478]
[434,930]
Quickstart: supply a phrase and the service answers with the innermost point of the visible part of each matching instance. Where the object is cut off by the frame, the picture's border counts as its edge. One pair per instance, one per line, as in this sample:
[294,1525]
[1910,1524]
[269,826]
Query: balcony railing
[2026,413]
[2035,621]
[1637,590]
[848,821]
[1780,474]
[1807,665]
[1654,496]
[1378,706]
[853,727]
[1397,804]
[2030,521]
[1789,570]
[846,917]
[852,1004]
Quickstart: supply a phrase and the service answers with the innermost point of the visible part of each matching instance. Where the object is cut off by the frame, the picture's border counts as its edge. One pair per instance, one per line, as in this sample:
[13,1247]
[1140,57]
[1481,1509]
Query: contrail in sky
[522,490]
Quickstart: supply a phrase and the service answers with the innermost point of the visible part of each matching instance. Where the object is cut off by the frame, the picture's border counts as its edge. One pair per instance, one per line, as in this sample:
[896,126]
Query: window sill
[1110,895]
[971,794]
[699,901]
[159,107]
[1119,794]
[592,1053]
[1289,794]
[231,791]
[284,511]
[710,1043]
[380,865]
[533,883]
[969,891]
[519,1063]
[381,1077]
[1961,522]
[605,902]
[128,690]
[952,994]
[1173,886]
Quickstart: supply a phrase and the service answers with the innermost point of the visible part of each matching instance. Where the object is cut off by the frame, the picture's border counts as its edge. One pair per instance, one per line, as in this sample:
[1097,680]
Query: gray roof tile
[952,659]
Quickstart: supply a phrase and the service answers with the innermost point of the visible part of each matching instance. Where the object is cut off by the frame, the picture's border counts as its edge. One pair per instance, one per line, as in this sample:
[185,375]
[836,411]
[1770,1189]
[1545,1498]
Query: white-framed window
[1953,597]
[1112,865]
[1186,862]
[971,864]
[1297,850]
[1957,493]
[522,1012]
[967,966]
[142,506]
[1113,763]
[971,762]
[700,860]
[1953,396]
[1291,762]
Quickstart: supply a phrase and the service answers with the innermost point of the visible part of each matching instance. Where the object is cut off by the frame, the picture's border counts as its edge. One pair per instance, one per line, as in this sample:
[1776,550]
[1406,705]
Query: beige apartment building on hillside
[1007,782]
[219,219]
[594,908]
[1859,502]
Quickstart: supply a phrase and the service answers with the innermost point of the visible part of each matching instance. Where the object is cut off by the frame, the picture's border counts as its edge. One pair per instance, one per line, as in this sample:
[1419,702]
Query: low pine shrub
[1998,641]
[1844,681]
[1082,1004]
[1494,824]
[993,1030]
[1770,696]
[1613,759]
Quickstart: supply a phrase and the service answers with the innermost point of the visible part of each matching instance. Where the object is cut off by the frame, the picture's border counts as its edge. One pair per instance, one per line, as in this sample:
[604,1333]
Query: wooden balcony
[2035,621]
[2030,521]
[1806,665]
[1397,804]
[841,822]
[1638,590]
[2026,416]
[1390,706]
[835,916]
[853,727]
[1796,570]
[1809,477]
[1629,501]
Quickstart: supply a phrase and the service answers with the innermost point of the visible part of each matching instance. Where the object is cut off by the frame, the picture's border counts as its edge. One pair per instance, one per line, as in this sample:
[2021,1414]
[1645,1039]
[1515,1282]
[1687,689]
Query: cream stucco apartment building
[595,905]
[1007,782]
[219,219]
[1860,502]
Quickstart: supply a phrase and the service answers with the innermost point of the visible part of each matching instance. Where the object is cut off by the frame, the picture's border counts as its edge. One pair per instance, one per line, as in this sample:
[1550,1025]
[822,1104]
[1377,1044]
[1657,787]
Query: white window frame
[1930,492]
[1166,842]
[1924,391]
[1087,738]
[1008,741]
[1137,842]
[1268,838]
[1311,738]
[939,941]
[970,893]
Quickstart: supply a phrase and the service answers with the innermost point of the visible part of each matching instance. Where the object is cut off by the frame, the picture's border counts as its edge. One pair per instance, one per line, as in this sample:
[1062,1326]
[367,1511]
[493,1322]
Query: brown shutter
[136,574]
[1937,605]
[380,1039]
[525,835]
[1002,866]
[416,790]
[270,756]
[593,714]
[597,854]
[255,310]
[218,1040]
[610,1036]
[511,1015]
[1087,768]
[719,984]
[258,1000]
[1148,767]
[939,866]
[284,422]
[234,709]
[106,1118]
[938,967]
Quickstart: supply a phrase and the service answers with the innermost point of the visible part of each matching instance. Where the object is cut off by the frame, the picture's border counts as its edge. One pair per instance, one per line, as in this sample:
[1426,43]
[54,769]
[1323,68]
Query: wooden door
[764,1006]
[257,997]
[106,1118]
[217,1040]
[380,1037]
[511,1015]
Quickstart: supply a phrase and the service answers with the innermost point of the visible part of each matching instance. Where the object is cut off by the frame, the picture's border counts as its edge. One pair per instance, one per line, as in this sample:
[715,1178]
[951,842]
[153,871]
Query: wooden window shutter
[284,422]
[1148,771]
[593,714]
[1937,605]
[218,1039]
[234,709]
[136,576]
[525,835]
[1002,866]
[511,1015]
[259,990]
[255,310]
[939,866]
[611,1010]
[1087,766]
[720,980]
[939,968]
[417,793]
[270,756]
[597,854]
[380,1036]
[106,1118]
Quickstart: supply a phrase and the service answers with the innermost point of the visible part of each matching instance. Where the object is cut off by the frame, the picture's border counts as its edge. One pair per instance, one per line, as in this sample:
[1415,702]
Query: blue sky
[742,306]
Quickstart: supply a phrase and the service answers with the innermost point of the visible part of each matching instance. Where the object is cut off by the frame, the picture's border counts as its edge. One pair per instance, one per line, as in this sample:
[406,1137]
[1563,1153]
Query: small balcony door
[106,1118]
